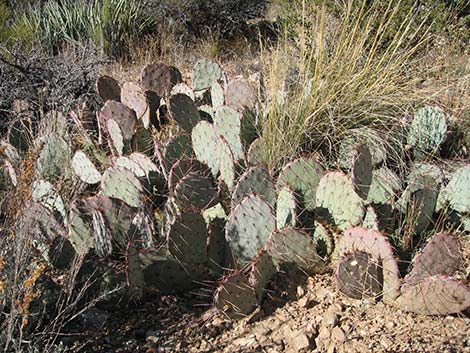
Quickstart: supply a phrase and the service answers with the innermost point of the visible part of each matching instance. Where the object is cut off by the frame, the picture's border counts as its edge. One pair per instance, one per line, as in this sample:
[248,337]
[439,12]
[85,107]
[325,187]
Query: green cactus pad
[419,206]
[43,192]
[248,227]
[217,247]
[183,111]
[235,297]
[240,94]
[179,147]
[143,142]
[115,135]
[80,233]
[441,256]
[144,103]
[55,159]
[159,78]
[205,74]
[379,248]
[61,253]
[85,169]
[457,190]
[183,167]
[295,247]
[206,112]
[187,238]
[195,192]
[286,208]
[108,88]
[385,186]
[122,184]
[227,123]
[217,95]
[205,142]
[359,275]
[437,295]
[376,144]
[255,180]
[371,220]
[419,170]
[361,170]
[256,154]
[262,270]
[324,239]
[227,163]
[145,163]
[337,199]
[428,130]
[124,116]
[303,176]
[134,167]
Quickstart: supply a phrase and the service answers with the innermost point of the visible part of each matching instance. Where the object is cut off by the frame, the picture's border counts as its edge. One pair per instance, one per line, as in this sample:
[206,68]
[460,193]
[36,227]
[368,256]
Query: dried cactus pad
[457,191]
[303,176]
[255,180]
[108,88]
[205,73]
[85,169]
[378,246]
[122,184]
[428,129]
[336,198]
[437,295]
[361,170]
[291,246]
[440,256]
[183,110]
[240,94]
[248,227]
[144,103]
[359,276]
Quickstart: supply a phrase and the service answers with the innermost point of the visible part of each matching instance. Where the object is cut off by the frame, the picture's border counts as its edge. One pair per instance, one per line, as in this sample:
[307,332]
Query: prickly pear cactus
[205,144]
[55,159]
[255,180]
[377,247]
[336,200]
[205,74]
[217,95]
[176,148]
[294,247]
[80,232]
[261,272]
[116,137]
[427,131]
[385,186]
[256,154]
[227,123]
[183,111]
[249,225]
[122,184]
[144,103]
[124,116]
[85,169]
[302,175]
[361,170]
[457,192]
[286,208]
[185,166]
[226,163]
[240,94]
[159,78]
[440,256]
[108,88]
[195,192]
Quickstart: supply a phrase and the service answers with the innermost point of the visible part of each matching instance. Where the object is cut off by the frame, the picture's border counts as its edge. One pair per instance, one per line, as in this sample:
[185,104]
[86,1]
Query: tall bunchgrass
[339,72]
[110,24]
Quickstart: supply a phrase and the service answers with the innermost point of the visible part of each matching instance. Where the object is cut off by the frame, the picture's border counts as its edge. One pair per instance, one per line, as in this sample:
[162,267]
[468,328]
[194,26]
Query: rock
[246,342]
[337,334]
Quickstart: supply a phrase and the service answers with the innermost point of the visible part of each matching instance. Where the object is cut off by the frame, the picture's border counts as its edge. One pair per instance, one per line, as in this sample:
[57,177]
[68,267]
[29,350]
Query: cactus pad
[240,94]
[291,246]
[205,142]
[227,123]
[115,134]
[108,88]
[205,73]
[255,180]
[359,276]
[428,130]
[361,170]
[85,169]
[337,199]
[384,187]
[440,256]
[55,158]
[217,95]
[183,167]
[183,88]
[256,154]
[379,248]
[249,225]
[302,175]
[159,78]
[437,295]
[124,116]
[195,192]
[187,238]
[122,184]
[179,147]
[80,232]
[183,111]
[286,208]
[457,190]
[144,103]
[227,163]
[261,272]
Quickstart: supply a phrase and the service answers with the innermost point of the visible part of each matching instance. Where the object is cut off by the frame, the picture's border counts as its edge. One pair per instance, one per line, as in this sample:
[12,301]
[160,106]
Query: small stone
[300,292]
[299,341]
[338,334]
[246,342]
[386,342]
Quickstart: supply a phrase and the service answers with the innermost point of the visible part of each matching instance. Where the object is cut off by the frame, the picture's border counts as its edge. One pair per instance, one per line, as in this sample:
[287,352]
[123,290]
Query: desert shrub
[44,82]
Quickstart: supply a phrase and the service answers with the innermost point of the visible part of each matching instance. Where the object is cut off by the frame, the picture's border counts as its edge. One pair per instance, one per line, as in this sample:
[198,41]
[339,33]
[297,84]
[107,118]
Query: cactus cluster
[200,207]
